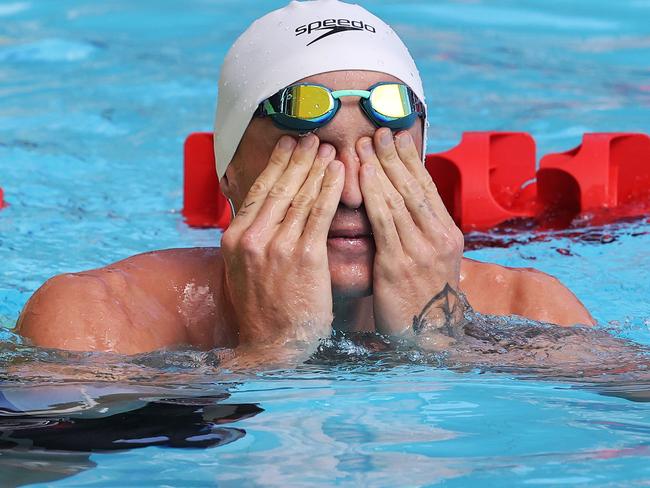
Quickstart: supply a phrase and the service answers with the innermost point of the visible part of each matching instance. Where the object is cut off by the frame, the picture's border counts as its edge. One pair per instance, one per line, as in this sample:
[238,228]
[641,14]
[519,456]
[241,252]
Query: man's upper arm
[66,312]
[544,298]
[94,311]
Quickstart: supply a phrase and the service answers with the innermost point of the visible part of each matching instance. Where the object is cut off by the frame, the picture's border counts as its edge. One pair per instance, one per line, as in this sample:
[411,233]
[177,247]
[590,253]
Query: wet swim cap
[300,40]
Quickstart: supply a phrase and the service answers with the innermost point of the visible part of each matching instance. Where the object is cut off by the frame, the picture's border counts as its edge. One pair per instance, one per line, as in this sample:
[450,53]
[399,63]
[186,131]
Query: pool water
[96,99]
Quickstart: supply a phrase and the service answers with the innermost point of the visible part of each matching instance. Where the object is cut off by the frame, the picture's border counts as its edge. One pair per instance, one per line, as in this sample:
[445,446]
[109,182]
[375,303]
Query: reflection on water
[52,443]
[170,422]
[57,407]
[44,444]
[50,421]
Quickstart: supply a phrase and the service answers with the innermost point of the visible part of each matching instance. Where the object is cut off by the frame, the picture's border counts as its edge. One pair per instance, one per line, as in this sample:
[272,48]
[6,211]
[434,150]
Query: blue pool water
[96,99]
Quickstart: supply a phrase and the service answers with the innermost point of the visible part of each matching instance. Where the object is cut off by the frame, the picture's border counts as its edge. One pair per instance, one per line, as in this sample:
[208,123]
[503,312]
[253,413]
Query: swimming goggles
[305,107]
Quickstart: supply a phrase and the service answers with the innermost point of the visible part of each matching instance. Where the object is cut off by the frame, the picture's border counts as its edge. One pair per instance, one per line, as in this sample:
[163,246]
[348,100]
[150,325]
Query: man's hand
[419,247]
[275,250]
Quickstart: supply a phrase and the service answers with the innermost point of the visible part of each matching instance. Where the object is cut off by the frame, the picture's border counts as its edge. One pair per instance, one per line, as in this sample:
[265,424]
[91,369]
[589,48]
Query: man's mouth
[352,240]
[350,232]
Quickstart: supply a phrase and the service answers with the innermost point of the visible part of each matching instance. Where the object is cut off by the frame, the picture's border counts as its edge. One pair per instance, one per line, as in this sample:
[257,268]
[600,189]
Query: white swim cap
[300,40]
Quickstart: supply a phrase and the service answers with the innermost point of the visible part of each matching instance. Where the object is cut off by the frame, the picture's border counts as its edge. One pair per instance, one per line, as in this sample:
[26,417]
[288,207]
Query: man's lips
[350,224]
[350,242]
[348,233]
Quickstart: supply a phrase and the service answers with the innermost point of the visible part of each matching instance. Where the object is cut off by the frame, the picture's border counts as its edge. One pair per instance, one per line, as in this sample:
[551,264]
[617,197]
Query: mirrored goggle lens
[391,101]
[307,102]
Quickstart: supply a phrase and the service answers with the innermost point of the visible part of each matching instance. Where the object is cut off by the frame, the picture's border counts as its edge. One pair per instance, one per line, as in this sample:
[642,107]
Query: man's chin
[340,291]
[351,280]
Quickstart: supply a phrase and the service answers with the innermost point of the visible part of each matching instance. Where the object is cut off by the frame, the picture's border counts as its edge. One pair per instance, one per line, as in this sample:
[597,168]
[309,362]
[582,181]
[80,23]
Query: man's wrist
[440,321]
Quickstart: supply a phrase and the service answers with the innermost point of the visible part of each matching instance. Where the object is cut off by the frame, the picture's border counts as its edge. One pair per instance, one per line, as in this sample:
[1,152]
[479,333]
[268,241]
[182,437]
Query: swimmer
[320,134]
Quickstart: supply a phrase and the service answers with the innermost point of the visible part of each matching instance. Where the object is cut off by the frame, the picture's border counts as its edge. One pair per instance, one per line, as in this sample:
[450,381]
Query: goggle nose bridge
[350,93]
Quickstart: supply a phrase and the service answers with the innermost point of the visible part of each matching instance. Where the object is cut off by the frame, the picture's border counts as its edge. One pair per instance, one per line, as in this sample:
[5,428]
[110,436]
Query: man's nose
[343,132]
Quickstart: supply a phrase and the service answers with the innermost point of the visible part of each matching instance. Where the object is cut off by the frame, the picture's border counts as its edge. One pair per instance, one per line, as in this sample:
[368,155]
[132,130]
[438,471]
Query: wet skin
[341,229]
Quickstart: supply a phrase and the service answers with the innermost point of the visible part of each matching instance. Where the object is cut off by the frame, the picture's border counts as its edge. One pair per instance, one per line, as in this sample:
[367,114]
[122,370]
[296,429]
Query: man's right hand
[275,250]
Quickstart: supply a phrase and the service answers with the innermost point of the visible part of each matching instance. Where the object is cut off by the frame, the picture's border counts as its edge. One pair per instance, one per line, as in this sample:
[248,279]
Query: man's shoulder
[165,268]
[528,292]
[128,306]
[192,256]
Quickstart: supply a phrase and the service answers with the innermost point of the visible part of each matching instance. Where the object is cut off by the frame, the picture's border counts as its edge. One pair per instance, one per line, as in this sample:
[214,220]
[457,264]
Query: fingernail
[287,143]
[308,141]
[385,137]
[366,145]
[403,140]
[334,166]
[325,151]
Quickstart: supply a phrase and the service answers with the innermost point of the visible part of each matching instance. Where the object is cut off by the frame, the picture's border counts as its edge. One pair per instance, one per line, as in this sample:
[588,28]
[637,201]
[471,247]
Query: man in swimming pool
[338,224]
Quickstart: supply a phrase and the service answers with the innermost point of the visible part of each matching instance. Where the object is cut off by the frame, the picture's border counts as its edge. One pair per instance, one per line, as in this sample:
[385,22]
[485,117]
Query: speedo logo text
[333,26]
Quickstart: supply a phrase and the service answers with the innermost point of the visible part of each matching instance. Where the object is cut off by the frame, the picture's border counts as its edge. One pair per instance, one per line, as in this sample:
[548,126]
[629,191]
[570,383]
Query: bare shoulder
[145,302]
[527,292]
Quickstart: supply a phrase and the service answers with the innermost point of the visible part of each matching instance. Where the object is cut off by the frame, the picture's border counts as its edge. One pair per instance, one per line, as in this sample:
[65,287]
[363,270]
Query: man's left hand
[419,248]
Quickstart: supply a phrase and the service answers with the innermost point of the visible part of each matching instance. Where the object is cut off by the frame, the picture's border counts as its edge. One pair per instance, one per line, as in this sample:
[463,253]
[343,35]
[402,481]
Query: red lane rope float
[489,178]
[607,175]
[482,181]
[2,201]
[203,203]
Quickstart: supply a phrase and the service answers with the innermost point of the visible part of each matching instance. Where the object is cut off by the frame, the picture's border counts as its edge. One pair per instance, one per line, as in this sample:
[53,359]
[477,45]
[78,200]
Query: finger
[410,236]
[409,154]
[294,223]
[322,212]
[408,186]
[280,195]
[381,219]
[368,156]
[278,162]
[404,198]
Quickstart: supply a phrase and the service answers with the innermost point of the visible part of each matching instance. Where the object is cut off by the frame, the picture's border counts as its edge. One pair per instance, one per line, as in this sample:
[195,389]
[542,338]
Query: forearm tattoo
[452,307]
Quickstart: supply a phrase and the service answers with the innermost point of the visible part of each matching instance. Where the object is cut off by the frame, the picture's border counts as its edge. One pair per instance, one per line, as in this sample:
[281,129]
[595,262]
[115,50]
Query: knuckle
[302,201]
[412,187]
[430,186]
[228,241]
[310,255]
[329,185]
[259,187]
[396,201]
[279,191]
[318,212]
[278,158]
[301,160]
[280,249]
[453,242]
[391,159]
[249,244]
[386,268]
